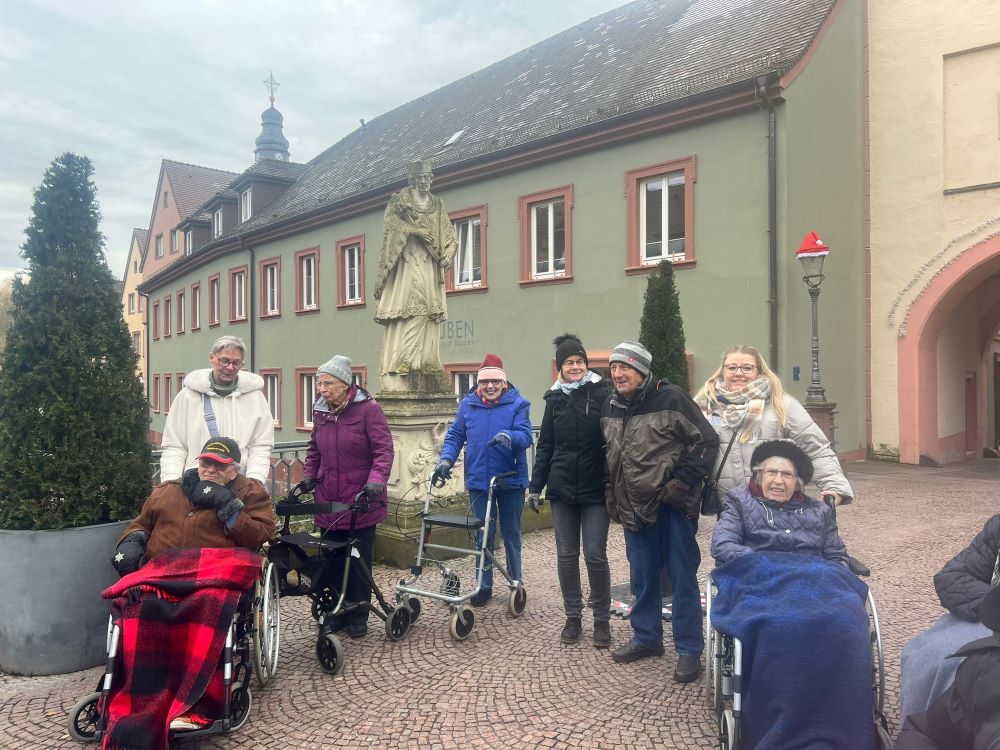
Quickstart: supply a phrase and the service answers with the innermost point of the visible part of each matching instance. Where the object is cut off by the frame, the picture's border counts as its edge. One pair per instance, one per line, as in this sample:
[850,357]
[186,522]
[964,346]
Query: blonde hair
[709,397]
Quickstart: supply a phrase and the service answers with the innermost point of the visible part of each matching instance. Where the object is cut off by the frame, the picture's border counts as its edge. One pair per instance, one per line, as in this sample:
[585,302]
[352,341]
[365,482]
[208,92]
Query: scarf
[742,409]
[223,390]
[561,385]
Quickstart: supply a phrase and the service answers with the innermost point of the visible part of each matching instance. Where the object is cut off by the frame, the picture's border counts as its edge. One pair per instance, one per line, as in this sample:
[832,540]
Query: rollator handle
[499,482]
[307,509]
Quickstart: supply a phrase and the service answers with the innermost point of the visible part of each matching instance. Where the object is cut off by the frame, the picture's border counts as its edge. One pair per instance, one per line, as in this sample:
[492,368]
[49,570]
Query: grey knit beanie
[339,366]
[633,354]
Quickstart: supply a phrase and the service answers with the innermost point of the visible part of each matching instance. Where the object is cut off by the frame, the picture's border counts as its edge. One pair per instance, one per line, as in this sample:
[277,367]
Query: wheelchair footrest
[304,539]
[453,520]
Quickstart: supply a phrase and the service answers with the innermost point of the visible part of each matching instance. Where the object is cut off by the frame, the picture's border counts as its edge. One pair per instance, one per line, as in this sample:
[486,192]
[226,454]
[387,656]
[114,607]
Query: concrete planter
[54,619]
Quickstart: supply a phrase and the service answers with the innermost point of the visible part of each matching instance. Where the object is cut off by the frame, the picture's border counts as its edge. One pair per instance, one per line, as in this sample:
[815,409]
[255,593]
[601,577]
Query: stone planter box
[55,620]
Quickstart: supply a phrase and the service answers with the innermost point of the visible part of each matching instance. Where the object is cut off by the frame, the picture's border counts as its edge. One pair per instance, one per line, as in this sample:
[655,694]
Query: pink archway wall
[916,356]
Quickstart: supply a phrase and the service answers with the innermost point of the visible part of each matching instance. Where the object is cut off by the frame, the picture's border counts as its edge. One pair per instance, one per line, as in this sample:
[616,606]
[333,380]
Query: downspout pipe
[764,97]
[252,304]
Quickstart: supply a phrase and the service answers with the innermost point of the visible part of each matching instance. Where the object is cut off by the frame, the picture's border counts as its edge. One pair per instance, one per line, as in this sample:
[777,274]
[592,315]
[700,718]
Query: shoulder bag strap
[213,425]
[725,456]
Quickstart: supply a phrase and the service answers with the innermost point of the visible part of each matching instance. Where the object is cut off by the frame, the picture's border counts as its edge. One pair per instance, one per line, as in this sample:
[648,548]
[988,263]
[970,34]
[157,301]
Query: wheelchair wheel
[729,731]
[330,653]
[397,623]
[517,601]
[266,627]
[878,655]
[882,735]
[713,669]
[463,620]
[239,706]
[413,603]
[83,718]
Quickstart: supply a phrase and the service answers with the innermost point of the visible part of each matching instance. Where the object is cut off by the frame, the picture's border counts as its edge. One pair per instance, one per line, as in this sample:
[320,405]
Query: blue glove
[503,439]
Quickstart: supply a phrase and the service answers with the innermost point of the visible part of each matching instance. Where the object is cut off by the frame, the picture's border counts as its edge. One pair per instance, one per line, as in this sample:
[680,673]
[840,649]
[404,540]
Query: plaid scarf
[174,615]
[742,409]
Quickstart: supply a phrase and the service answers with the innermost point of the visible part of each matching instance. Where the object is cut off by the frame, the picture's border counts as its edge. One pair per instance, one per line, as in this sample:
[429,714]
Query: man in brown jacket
[659,448]
[211,506]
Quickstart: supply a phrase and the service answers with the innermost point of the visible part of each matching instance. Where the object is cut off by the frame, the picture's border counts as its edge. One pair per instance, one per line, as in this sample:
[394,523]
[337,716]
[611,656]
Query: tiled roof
[282,170]
[141,236]
[193,185]
[637,57]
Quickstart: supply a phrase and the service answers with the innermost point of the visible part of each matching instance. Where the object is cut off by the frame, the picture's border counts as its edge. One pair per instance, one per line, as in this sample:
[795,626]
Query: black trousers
[358,587]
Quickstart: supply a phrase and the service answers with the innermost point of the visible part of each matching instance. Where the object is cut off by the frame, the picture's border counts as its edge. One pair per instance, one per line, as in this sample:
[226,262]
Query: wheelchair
[307,567]
[450,589]
[251,646]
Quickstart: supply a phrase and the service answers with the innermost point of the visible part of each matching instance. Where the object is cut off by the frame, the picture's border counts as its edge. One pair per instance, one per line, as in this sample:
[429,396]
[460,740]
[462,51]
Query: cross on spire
[271,84]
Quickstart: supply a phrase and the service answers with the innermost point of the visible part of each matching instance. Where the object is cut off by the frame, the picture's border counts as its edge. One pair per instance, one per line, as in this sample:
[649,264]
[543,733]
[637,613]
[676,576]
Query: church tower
[271,143]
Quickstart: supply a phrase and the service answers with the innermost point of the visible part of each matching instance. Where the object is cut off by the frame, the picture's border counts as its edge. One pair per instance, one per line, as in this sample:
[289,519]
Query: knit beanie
[633,354]
[491,369]
[567,346]
[340,367]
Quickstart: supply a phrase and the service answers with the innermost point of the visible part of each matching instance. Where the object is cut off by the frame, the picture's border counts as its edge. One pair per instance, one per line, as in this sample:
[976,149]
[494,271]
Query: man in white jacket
[220,400]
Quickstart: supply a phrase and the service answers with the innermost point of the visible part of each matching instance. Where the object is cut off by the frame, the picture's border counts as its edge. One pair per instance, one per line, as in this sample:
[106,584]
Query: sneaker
[633,651]
[182,723]
[688,668]
[480,599]
[602,634]
[571,631]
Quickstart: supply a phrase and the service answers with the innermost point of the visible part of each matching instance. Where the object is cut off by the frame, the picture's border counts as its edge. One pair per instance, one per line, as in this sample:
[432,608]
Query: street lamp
[812,252]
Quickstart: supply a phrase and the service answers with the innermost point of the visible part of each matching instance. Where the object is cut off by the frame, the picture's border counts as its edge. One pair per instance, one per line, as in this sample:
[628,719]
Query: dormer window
[189,242]
[217,223]
[246,204]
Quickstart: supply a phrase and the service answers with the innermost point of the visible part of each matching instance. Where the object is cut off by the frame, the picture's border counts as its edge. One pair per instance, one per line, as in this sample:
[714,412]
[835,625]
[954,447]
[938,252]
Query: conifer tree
[73,417]
[661,329]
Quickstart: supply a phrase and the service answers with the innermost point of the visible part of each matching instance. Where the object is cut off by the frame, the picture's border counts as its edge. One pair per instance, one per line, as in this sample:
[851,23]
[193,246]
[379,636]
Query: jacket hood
[247,382]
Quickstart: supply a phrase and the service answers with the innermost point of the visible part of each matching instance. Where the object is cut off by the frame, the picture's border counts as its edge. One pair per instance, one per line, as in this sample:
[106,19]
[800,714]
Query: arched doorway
[944,360]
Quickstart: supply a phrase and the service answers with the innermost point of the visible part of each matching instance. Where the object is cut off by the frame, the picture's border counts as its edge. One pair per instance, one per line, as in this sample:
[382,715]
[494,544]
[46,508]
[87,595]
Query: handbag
[711,502]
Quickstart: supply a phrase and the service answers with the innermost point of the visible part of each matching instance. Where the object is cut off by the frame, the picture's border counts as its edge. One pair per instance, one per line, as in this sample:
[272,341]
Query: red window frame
[341,247]
[633,254]
[524,205]
[300,309]
[214,299]
[196,306]
[265,372]
[262,267]
[467,213]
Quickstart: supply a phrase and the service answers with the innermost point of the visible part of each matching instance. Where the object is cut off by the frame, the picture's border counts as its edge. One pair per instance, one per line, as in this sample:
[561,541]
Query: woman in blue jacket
[494,425]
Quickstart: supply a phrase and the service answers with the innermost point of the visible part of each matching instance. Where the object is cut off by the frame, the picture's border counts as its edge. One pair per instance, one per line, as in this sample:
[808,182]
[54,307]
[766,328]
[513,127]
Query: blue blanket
[807,661]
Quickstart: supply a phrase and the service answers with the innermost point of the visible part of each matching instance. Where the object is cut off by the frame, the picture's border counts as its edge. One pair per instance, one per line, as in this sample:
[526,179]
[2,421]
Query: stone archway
[920,439]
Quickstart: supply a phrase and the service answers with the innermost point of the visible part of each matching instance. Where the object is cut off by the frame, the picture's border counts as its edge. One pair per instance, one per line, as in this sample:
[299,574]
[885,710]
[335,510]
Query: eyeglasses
[494,383]
[775,473]
[328,383]
[236,364]
[745,369]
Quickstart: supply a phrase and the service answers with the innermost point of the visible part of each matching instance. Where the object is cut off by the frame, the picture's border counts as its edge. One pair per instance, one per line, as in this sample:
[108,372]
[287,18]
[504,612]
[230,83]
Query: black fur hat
[784,449]
[566,346]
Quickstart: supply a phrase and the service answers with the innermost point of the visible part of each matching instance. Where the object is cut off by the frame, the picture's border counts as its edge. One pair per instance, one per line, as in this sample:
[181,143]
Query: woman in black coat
[570,461]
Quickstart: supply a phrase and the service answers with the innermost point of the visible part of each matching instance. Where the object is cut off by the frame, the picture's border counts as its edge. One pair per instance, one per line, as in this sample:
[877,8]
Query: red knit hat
[491,369]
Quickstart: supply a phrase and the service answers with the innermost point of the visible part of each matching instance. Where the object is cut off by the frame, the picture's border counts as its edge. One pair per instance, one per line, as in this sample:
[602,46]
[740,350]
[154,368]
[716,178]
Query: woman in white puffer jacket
[745,396]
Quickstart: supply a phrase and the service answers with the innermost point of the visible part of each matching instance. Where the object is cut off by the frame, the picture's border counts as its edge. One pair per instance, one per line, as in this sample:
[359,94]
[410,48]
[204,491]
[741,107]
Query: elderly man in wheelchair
[191,597]
[789,641]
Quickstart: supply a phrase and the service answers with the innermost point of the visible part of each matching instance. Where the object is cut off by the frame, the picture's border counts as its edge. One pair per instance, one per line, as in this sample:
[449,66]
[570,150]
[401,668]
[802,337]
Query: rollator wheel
[413,603]
[325,602]
[397,623]
[463,620]
[266,627]
[728,731]
[330,653]
[517,601]
[713,670]
[83,718]
[239,706]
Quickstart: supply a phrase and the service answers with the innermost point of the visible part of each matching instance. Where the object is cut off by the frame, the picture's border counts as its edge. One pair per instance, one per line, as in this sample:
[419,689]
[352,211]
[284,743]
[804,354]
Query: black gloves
[373,489]
[503,439]
[307,485]
[535,501]
[442,472]
[215,496]
[130,554]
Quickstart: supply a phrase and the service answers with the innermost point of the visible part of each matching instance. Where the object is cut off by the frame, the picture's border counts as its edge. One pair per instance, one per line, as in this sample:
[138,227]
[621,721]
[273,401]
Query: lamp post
[812,252]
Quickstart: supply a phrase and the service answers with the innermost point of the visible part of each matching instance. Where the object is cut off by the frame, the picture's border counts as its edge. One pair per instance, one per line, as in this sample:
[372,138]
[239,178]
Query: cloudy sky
[129,82]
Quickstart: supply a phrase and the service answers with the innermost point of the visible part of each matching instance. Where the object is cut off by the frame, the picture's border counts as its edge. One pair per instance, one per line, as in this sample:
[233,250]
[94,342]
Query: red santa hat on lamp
[812,253]
[491,369]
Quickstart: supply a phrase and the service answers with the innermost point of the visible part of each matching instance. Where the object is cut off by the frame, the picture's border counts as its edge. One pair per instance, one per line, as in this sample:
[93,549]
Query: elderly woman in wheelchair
[187,623]
[791,656]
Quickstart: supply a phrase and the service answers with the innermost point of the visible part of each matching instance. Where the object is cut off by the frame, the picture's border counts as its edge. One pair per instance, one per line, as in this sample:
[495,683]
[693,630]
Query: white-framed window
[195,306]
[548,239]
[214,301]
[246,204]
[131,302]
[189,242]
[159,244]
[352,275]
[271,289]
[463,382]
[307,282]
[468,267]
[175,238]
[181,312]
[137,341]
[307,387]
[239,287]
[272,392]
[217,223]
[661,218]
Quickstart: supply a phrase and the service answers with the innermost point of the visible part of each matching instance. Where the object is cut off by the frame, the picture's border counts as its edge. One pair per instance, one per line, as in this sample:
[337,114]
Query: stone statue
[418,245]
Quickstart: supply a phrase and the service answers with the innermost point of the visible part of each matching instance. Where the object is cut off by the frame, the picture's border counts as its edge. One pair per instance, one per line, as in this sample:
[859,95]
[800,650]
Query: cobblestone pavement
[513,685]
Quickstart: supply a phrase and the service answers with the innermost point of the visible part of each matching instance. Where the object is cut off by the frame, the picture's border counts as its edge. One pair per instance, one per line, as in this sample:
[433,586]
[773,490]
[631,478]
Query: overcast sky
[130,82]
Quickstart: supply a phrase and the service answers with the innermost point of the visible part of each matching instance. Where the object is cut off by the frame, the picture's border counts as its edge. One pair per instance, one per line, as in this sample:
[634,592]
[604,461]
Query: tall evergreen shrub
[73,417]
[661,329]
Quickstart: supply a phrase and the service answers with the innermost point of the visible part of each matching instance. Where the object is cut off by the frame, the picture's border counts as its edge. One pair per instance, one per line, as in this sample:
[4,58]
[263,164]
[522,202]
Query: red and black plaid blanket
[174,615]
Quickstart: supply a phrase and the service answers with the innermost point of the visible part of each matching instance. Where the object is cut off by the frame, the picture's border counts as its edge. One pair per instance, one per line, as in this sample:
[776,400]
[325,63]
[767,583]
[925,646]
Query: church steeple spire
[271,143]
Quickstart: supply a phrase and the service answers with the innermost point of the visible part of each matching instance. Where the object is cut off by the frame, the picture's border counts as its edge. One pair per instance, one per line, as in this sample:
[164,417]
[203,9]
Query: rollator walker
[449,591]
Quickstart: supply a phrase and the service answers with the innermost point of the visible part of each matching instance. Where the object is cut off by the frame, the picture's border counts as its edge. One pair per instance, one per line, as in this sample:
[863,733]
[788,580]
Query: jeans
[511,504]
[671,542]
[358,587]
[591,522]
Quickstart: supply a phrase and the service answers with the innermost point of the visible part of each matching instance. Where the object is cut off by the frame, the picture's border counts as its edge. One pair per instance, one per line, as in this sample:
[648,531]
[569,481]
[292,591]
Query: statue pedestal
[418,422]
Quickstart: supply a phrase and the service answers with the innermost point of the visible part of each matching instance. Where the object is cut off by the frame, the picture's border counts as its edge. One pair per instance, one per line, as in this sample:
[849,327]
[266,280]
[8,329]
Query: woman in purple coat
[350,451]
